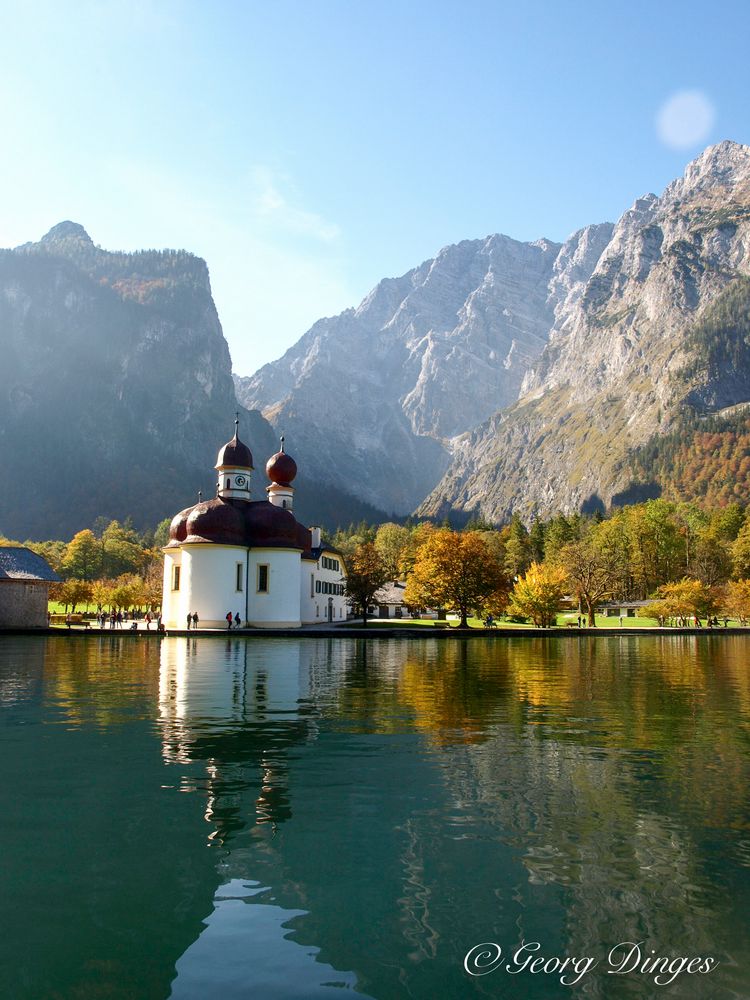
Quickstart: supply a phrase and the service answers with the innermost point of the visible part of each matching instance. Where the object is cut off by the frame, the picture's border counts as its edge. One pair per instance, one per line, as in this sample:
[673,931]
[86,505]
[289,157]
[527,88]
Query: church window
[175,578]
[238,577]
[312,585]
[228,482]
[263,578]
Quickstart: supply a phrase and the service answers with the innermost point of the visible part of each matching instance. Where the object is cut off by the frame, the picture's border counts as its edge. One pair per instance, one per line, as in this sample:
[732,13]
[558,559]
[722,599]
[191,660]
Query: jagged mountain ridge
[115,388]
[621,365]
[377,394]
[525,375]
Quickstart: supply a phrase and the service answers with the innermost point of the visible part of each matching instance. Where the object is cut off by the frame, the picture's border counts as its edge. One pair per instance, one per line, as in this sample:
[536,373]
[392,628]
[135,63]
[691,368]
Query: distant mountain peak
[65,231]
[725,165]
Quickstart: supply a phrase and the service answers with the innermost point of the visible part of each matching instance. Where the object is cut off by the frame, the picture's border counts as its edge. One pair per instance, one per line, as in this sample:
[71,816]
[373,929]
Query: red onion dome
[270,525]
[235,454]
[281,468]
[215,521]
[178,529]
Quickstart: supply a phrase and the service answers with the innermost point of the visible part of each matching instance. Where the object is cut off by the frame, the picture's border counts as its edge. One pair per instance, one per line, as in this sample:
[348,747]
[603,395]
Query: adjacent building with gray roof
[24,588]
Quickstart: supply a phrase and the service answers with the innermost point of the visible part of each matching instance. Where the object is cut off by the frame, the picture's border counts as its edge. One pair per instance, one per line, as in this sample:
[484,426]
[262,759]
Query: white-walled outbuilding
[250,559]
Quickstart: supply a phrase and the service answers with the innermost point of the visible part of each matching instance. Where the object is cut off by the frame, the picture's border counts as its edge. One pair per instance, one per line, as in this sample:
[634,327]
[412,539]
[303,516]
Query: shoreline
[377,632]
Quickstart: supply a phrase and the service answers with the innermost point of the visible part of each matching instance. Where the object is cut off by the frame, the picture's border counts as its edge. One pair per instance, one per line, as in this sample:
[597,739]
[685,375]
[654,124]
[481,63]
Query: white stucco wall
[280,606]
[314,608]
[208,584]
[170,599]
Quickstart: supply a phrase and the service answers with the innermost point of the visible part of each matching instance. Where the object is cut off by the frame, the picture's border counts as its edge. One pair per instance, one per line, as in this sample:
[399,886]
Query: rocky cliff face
[622,361]
[524,375]
[115,386]
[375,396]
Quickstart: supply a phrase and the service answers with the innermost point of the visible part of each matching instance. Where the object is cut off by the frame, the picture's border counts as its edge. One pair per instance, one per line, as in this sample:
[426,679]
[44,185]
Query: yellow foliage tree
[682,601]
[735,600]
[538,594]
[457,571]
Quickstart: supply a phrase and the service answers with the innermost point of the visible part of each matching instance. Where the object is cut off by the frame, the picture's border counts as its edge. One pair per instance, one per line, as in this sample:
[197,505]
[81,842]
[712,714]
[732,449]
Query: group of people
[192,620]
[116,619]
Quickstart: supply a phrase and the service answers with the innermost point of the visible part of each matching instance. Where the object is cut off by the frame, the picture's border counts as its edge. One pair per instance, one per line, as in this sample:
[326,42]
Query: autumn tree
[71,593]
[682,600]
[418,535]
[735,600]
[366,574]
[538,594]
[591,569]
[740,550]
[101,593]
[457,571]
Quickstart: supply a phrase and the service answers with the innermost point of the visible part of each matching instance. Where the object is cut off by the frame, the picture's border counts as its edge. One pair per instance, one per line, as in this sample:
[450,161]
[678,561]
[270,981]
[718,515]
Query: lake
[279,818]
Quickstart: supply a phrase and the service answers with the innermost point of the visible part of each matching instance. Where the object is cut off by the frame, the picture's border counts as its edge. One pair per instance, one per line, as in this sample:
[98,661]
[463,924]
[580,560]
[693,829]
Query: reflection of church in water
[251,558]
[240,714]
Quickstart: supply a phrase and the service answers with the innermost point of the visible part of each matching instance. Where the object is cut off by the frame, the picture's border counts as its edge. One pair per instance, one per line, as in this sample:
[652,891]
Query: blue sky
[308,149]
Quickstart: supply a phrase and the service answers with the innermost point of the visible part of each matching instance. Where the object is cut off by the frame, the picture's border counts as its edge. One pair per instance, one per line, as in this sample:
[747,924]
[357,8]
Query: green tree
[391,540]
[536,541]
[83,557]
[558,532]
[366,574]
[517,548]
[161,533]
[122,550]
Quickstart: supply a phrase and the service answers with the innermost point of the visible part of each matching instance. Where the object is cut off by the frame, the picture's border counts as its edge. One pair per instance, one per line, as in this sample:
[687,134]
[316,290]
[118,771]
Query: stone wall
[23,603]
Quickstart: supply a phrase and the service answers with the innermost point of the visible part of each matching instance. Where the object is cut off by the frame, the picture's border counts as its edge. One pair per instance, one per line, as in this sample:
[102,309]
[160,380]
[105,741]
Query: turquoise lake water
[276,818]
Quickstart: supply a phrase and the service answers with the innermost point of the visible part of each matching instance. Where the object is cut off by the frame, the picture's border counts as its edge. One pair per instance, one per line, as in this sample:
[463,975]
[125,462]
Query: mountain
[115,388]
[505,376]
[655,345]
[377,394]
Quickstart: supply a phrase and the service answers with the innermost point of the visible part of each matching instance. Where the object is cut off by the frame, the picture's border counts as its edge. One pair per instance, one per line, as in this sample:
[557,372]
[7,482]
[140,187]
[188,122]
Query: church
[250,558]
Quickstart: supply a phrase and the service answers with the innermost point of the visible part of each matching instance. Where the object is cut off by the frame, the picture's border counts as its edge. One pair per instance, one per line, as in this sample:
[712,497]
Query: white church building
[250,558]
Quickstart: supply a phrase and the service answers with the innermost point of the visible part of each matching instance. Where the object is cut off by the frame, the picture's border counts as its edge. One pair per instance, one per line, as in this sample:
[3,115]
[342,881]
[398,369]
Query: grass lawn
[564,620]
[55,608]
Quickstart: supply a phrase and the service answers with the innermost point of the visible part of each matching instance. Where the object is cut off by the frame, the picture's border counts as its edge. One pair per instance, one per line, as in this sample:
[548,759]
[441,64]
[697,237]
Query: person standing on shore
[228,617]
[195,619]
[189,620]
[237,620]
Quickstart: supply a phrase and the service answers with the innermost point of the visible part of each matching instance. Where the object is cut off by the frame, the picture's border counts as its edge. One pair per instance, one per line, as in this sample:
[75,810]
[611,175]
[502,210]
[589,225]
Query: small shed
[622,609]
[390,600]
[24,588]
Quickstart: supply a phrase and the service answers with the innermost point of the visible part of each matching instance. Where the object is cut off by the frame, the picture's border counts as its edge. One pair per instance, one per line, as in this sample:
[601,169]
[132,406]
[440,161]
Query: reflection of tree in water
[602,765]
[86,677]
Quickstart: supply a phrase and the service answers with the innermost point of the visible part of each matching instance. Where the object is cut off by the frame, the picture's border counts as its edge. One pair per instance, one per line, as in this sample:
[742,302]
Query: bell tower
[281,470]
[233,466]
